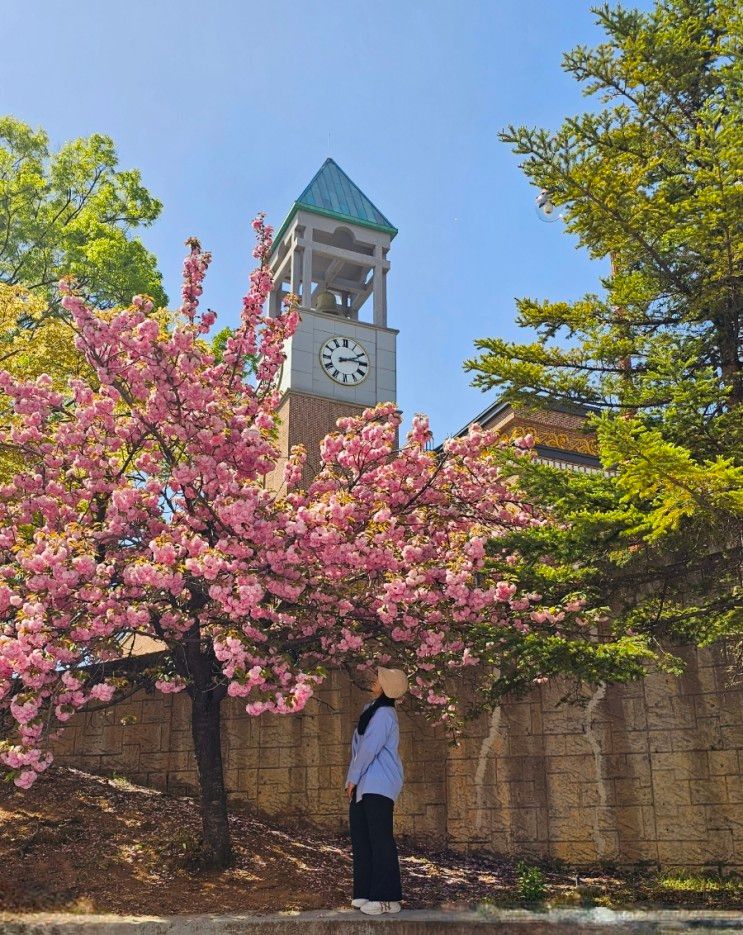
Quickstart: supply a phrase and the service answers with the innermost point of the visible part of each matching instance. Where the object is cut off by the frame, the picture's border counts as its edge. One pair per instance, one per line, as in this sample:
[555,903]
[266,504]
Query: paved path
[408,922]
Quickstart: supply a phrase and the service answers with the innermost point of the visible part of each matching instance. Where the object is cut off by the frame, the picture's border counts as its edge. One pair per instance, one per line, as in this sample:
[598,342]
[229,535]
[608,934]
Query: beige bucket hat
[394,682]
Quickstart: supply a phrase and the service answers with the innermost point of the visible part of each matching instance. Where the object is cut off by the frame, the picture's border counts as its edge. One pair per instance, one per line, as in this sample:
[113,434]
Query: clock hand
[342,360]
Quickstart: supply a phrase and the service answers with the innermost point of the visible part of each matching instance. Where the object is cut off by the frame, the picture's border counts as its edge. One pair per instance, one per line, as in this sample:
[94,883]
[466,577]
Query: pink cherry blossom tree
[143,509]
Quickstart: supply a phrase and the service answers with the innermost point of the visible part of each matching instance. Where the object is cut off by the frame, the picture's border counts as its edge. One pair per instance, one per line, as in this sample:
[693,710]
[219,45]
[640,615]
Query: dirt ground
[82,843]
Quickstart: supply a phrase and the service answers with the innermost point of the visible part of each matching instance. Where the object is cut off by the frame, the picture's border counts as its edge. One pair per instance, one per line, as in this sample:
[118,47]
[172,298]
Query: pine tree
[653,181]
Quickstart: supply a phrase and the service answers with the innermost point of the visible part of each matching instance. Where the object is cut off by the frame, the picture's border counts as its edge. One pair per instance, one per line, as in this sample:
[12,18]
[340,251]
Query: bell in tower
[327,302]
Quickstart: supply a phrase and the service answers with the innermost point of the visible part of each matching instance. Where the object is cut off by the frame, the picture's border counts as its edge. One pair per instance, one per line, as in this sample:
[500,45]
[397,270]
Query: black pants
[376,870]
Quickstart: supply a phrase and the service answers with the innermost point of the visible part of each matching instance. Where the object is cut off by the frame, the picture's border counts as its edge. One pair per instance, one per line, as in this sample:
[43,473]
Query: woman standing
[373,783]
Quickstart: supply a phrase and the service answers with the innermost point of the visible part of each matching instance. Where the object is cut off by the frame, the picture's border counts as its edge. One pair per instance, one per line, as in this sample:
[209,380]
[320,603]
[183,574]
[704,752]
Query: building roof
[331,193]
[566,457]
[498,406]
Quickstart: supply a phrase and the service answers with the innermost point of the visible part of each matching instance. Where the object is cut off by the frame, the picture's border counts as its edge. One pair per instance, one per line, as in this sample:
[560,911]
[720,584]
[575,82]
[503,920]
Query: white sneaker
[358,903]
[374,908]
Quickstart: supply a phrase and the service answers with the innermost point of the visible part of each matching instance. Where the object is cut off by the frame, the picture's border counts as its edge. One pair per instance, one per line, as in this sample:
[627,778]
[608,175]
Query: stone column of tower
[331,251]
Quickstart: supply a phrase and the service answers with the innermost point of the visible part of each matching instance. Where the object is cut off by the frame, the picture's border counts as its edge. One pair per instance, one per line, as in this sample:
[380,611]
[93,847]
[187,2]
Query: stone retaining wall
[646,772]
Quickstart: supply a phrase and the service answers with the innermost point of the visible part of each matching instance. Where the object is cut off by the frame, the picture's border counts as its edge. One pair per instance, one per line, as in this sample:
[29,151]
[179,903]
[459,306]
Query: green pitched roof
[332,194]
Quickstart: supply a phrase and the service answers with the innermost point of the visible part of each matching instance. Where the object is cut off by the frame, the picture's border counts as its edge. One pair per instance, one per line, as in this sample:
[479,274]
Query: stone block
[685,823]
[683,852]
[273,732]
[521,768]
[574,824]
[275,778]
[65,745]
[658,691]
[589,793]
[155,709]
[607,844]
[181,761]
[523,824]
[648,822]
[554,744]
[707,704]
[629,792]
[670,790]
[578,744]
[705,735]
[272,802]
[704,791]
[336,754]
[268,757]
[555,721]
[689,764]
[182,782]
[432,823]
[245,756]
[180,738]
[660,740]
[630,741]
[628,822]
[577,766]
[635,850]
[722,846]
[332,801]
[153,761]
[297,779]
[156,780]
[614,766]
[725,815]
[562,793]
[734,788]
[536,720]
[639,767]
[247,784]
[723,762]
[521,793]
[241,732]
[525,744]
[573,852]
[286,757]
[106,740]
[634,715]
[731,736]
[706,677]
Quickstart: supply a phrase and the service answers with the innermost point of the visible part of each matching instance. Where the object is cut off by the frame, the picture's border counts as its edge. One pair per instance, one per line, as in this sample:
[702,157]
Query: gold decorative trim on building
[565,441]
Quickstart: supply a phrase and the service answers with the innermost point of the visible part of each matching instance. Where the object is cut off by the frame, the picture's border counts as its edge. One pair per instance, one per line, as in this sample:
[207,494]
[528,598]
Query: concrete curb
[598,921]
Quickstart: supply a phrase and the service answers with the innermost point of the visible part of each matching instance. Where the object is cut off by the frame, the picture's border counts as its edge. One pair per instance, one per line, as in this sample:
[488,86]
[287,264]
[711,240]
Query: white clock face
[344,360]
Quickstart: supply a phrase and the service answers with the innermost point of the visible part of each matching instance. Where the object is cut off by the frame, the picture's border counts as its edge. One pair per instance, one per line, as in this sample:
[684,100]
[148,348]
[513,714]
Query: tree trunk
[205,726]
[728,326]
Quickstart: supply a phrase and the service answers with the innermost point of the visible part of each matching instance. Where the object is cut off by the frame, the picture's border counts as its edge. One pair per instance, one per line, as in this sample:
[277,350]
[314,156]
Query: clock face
[344,360]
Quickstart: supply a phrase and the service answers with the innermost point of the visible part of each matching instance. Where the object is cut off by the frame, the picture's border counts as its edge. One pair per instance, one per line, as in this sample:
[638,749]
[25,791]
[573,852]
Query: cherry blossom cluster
[151,504]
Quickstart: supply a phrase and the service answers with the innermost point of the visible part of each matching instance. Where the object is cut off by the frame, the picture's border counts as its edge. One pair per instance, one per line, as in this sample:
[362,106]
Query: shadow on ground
[82,843]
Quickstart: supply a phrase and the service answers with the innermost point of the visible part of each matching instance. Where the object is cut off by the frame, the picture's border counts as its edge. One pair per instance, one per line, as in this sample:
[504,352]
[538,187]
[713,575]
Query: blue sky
[229,107]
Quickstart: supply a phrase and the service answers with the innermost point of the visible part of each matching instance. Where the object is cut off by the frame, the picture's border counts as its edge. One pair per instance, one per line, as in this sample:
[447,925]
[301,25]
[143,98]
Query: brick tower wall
[306,420]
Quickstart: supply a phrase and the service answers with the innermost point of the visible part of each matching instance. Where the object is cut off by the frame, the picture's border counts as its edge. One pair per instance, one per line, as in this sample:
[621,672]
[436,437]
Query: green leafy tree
[653,181]
[73,213]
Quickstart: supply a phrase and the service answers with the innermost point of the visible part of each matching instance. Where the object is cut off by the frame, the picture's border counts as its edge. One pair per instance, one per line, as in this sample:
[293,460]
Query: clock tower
[331,252]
